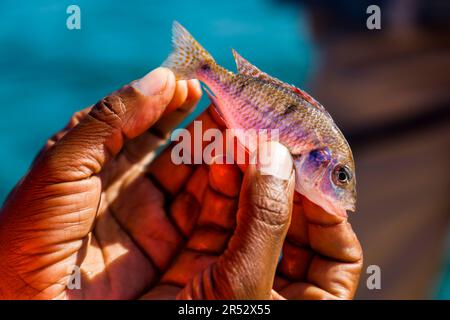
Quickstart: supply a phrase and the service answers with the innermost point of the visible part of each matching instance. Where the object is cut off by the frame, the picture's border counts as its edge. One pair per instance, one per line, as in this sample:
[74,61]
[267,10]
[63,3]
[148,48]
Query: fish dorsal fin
[246,68]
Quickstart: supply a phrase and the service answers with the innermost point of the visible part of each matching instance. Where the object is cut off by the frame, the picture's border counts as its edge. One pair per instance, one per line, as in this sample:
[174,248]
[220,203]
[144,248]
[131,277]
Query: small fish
[252,99]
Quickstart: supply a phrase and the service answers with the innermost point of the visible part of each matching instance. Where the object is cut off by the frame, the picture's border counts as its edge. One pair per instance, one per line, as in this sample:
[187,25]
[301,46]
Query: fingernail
[154,82]
[274,159]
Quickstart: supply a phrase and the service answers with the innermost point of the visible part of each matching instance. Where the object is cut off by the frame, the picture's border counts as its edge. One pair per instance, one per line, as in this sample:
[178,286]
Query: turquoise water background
[48,72]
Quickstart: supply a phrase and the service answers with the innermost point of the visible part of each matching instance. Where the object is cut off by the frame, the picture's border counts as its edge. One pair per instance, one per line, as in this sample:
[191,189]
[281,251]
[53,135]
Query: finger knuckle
[271,207]
[110,110]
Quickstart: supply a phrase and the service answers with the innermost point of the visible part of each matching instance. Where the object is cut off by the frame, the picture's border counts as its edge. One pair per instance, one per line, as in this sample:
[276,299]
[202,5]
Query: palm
[147,236]
[91,204]
[158,227]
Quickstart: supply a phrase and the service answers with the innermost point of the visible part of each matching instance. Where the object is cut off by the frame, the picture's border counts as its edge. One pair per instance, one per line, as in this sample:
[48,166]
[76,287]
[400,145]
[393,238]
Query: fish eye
[341,175]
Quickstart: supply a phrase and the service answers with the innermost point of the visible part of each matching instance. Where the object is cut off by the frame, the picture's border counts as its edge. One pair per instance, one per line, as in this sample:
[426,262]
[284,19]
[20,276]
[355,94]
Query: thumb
[247,268]
[124,114]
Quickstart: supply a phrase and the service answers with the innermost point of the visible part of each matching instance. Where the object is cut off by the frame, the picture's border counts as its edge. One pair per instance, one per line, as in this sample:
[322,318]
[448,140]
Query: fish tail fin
[187,56]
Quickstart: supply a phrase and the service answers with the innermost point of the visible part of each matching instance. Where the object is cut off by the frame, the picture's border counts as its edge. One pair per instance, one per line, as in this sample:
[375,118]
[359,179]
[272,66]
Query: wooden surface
[403,176]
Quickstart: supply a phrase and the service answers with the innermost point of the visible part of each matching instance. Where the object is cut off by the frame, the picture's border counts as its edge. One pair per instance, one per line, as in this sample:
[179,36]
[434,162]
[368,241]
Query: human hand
[322,257]
[89,200]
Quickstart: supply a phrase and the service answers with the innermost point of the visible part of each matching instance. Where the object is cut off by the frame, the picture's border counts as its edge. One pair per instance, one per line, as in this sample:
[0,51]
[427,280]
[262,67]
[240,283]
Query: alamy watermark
[373,281]
[74,281]
[373,22]
[222,147]
[73,21]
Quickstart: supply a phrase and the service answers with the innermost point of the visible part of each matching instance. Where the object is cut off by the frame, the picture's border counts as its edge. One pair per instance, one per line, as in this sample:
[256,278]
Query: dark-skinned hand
[161,231]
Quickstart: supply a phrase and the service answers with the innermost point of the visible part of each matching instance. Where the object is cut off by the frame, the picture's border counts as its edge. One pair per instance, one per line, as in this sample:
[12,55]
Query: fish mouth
[335,210]
[341,213]
[351,208]
[340,210]
[332,207]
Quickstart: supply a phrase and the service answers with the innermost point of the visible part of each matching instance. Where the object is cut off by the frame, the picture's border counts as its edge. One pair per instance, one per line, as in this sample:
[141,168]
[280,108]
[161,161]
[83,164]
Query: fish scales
[252,99]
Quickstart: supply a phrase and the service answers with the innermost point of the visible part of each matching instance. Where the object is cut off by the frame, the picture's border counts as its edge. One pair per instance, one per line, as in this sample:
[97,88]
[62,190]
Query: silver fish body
[252,99]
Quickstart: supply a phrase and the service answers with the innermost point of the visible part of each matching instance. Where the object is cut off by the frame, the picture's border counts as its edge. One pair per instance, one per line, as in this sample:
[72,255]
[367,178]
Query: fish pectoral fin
[214,102]
[210,95]
[246,68]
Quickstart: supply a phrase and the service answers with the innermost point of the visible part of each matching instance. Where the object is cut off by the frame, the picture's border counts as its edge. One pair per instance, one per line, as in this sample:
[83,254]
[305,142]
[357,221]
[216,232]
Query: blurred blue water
[48,71]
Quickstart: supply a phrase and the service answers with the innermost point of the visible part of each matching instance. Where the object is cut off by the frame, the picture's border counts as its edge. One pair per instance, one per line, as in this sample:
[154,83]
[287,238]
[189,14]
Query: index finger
[325,250]
[329,235]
